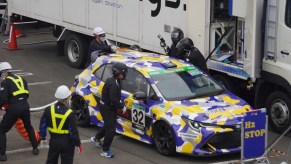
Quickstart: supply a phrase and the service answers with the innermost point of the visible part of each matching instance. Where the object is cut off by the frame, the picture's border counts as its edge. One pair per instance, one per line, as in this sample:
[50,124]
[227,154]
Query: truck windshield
[183,84]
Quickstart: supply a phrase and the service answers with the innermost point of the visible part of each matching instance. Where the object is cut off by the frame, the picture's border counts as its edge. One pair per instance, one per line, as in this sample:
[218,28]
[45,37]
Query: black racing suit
[109,103]
[103,47]
[60,144]
[18,108]
[196,58]
[174,52]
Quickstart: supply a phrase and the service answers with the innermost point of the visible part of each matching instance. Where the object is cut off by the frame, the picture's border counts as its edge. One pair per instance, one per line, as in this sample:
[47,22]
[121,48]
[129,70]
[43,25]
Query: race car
[170,103]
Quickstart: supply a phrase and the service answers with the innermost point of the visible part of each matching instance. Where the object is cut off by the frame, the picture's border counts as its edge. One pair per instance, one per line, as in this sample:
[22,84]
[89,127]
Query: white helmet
[98,31]
[62,92]
[5,66]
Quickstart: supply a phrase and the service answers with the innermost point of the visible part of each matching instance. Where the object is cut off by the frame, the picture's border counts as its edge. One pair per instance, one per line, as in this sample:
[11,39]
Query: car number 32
[138,115]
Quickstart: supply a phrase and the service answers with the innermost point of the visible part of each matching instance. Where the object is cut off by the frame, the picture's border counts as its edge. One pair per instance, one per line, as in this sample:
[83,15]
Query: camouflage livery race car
[170,103]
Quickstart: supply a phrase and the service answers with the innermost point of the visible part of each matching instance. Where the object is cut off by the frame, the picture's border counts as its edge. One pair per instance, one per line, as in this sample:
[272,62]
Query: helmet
[176,35]
[119,68]
[135,47]
[5,66]
[62,92]
[98,31]
[185,44]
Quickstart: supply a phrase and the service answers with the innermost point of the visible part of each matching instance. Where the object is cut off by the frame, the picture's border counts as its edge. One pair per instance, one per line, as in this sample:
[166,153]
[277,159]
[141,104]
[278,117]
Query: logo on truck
[169,3]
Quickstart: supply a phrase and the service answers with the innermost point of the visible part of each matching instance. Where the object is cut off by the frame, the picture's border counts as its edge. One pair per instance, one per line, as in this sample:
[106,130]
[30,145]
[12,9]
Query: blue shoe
[97,142]
[107,154]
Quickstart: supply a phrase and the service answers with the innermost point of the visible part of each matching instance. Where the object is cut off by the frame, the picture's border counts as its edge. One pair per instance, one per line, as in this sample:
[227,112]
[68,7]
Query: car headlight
[193,124]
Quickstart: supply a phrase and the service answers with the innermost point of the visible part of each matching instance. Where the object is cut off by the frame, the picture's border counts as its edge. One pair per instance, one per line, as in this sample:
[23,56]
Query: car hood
[226,109]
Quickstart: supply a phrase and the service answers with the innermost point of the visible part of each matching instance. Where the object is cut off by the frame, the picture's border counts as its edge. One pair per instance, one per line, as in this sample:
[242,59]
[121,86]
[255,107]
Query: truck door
[284,32]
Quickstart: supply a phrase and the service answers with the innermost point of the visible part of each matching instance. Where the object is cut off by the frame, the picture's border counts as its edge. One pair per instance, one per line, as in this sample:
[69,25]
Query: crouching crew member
[191,54]
[14,92]
[61,124]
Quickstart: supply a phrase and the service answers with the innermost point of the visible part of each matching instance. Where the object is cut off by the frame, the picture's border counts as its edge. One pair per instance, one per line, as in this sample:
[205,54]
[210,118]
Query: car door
[96,83]
[138,111]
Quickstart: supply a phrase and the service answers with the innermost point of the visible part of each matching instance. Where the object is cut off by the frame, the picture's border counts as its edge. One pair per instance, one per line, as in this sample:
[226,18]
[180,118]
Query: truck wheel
[81,111]
[164,139]
[76,50]
[278,106]
[225,82]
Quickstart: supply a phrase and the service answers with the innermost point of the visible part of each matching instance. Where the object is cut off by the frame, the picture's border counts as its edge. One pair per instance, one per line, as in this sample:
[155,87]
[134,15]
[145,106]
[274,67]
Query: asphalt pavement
[39,64]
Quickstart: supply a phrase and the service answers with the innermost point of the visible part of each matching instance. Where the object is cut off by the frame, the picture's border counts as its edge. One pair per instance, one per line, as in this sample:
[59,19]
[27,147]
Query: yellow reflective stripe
[53,116]
[63,118]
[19,84]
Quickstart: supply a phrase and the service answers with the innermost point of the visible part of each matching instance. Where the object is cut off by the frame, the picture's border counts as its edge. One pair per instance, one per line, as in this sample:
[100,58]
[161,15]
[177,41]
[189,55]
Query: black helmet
[176,35]
[119,68]
[185,44]
[135,47]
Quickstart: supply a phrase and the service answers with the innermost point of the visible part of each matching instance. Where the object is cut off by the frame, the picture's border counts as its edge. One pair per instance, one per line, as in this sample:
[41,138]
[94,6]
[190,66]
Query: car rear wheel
[278,106]
[164,139]
[80,109]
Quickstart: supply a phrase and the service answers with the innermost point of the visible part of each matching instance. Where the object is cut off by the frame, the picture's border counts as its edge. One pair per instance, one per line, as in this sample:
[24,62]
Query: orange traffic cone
[12,38]
[21,130]
[18,33]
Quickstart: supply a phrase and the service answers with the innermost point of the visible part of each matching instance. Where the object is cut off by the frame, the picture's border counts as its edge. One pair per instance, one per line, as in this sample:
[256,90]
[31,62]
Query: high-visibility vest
[19,84]
[58,129]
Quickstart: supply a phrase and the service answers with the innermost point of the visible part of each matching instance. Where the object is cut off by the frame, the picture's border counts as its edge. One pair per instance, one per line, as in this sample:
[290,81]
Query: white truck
[249,39]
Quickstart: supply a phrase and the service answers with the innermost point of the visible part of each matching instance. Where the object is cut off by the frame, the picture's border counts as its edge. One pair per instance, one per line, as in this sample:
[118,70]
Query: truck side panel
[70,7]
[24,6]
[130,10]
[49,9]
[101,14]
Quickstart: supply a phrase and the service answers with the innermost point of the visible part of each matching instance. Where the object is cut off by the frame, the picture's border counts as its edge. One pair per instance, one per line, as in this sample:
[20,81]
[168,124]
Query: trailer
[249,41]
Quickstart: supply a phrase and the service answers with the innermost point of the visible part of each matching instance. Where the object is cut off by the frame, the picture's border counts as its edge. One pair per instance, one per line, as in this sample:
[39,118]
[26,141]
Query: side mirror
[139,95]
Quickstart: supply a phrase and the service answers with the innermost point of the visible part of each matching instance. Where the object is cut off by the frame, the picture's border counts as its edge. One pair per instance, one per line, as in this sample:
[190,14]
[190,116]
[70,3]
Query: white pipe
[39,109]
[16,23]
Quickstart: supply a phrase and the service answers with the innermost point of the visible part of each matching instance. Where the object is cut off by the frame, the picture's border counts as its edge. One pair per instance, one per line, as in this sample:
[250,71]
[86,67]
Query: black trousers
[109,128]
[15,111]
[60,145]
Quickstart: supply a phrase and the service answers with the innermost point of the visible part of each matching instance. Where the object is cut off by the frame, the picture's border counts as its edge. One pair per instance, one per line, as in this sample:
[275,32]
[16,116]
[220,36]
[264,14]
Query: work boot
[35,151]
[3,157]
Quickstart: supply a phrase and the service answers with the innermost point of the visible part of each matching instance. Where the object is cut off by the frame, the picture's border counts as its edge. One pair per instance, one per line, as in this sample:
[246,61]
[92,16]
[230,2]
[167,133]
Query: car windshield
[177,84]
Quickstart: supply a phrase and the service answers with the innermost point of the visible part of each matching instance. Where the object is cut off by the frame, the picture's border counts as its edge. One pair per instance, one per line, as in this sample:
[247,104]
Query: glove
[5,106]
[43,143]
[123,110]
[113,48]
[79,149]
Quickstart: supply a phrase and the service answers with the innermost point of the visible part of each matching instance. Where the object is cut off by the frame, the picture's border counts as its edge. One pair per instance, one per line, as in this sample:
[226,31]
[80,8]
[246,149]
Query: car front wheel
[164,139]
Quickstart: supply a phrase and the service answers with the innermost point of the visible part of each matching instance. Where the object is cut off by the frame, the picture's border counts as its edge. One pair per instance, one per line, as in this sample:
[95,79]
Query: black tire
[165,141]
[76,50]
[226,82]
[81,111]
[278,106]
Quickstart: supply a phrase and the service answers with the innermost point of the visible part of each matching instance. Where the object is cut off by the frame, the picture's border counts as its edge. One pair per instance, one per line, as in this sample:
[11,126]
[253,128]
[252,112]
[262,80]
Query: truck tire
[278,106]
[76,50]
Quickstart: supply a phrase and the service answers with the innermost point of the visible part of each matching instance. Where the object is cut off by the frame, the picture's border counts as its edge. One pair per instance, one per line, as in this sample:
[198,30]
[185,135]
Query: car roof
[142,61]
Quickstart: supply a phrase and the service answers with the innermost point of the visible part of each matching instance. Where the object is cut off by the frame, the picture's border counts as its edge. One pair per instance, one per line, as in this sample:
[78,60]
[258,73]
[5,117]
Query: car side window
[107,72]
[99,72]
[134,82]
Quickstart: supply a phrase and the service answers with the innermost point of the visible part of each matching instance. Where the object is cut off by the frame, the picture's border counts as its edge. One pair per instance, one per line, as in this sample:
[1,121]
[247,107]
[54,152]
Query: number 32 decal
[138,114]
